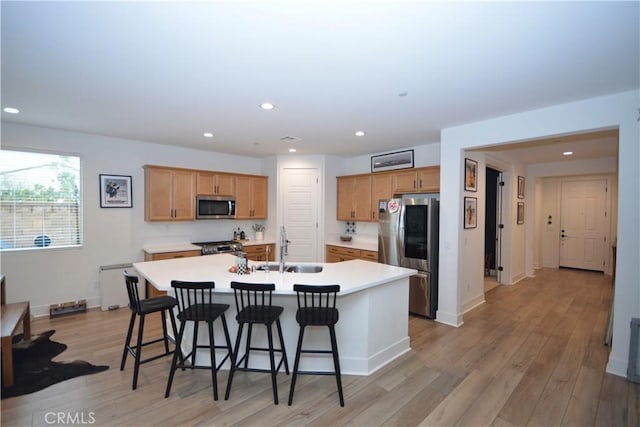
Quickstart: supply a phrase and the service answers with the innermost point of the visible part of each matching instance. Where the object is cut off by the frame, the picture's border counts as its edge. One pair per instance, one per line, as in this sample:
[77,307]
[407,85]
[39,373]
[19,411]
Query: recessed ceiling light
[292,150]
[208,135]
[567,153]
[360,133]
[267,106]
[10,110]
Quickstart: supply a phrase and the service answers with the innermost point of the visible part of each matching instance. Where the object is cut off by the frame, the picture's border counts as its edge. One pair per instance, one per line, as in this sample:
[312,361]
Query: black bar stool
[253,303]
[141,308]
[317,307]
[195,304]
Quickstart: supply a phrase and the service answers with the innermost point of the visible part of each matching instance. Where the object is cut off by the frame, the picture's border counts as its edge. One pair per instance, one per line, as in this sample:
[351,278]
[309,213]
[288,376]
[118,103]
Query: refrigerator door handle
[401,234]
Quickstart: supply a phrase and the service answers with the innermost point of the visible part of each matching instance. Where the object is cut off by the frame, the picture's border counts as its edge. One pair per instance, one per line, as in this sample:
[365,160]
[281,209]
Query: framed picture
[520,215]
[391,161]
[470,212]
[470,175]
[521,187]
[115,191]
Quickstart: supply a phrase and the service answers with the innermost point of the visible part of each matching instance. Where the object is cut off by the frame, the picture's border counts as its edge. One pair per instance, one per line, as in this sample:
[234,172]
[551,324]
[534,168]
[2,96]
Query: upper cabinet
[215,184]
[169,194]
[251,197]
[358,195]
[422,180]
[381,188]
[354,198]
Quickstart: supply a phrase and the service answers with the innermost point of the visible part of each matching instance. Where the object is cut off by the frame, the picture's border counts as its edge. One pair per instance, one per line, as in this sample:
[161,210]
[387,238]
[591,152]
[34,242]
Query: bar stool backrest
[317,304]
[195,299]
[132,291]
[253,300]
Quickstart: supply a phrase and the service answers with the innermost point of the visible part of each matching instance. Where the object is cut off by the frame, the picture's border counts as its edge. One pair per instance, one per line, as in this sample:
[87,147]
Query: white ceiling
[167,72]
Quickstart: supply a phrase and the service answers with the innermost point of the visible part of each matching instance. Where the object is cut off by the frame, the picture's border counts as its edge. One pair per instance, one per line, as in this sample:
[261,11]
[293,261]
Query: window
[40,200]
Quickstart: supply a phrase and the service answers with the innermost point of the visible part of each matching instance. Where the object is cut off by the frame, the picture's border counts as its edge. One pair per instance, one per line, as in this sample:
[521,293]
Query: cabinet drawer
[369,255]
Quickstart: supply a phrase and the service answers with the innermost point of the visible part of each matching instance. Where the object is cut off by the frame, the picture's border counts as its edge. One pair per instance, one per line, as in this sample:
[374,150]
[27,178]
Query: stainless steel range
[223,247]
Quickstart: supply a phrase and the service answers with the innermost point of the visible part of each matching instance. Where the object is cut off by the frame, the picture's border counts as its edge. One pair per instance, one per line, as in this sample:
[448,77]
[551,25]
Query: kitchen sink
[299,268]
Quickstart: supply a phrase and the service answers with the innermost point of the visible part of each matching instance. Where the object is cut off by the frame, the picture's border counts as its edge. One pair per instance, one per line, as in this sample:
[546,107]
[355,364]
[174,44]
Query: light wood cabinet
[340,253]
[259,252]
[354,198]
[215,184]
[381,188]
[251,197]
[151,291]
[358,195]
[422,180]
[169,194]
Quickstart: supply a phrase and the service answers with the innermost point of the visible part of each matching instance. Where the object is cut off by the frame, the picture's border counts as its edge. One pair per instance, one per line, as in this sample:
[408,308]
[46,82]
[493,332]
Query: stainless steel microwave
[215,207]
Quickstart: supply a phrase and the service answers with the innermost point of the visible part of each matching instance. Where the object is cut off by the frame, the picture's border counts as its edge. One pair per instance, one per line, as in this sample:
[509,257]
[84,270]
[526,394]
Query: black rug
[34,370]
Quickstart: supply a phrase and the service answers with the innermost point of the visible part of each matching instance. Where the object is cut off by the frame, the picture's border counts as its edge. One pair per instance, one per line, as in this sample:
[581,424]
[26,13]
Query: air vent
[289,138]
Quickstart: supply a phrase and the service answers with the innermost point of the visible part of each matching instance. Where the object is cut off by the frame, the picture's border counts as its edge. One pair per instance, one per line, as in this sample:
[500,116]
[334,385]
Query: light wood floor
[532,355]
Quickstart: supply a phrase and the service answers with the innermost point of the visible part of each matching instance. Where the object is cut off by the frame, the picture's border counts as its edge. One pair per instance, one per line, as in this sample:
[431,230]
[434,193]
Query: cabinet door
[381,188]
[225,185]
[157,195]
[259,198]
[362,198]
[429,179]
[205,183]
[345,198]
[243,197]
[404,182]
[183,195]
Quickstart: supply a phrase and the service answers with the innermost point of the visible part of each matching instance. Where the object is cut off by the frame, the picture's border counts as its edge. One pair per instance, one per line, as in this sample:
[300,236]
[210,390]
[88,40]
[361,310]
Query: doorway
[492,230]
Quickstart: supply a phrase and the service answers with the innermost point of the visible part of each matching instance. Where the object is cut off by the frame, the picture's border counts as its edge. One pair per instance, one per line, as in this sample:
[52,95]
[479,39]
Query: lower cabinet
[340,253]
[151,291]
[259,252]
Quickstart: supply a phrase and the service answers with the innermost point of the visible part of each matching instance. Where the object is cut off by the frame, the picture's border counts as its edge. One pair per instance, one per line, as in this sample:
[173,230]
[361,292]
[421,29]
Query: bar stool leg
[295,364]
[336,362]
[274,381]
[284,353]
[136,366]
[234,358]
[127,343]
[177,353]
[248,346]
[212,350]
[165,337]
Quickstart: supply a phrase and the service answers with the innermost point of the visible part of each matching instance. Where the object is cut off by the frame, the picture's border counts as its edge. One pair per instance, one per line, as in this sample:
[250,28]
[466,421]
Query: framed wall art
[115,191]
[470,175]
[391,161]
[470,212]
[521,187]
[520,214]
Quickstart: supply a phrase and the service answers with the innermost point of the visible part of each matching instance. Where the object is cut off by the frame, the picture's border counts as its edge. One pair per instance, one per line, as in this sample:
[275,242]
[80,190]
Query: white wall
[607,112]
[111,236]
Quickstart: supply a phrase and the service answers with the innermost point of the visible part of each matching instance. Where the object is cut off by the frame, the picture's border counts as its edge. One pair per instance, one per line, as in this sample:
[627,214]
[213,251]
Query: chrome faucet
[284,248]
[268,251]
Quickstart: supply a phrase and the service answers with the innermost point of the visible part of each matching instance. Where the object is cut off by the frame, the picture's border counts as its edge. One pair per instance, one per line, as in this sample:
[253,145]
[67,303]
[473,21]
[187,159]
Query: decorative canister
[241,263]
[259,235]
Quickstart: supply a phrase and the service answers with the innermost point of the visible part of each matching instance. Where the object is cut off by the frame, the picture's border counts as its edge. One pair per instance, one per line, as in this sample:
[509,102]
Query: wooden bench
[12,315]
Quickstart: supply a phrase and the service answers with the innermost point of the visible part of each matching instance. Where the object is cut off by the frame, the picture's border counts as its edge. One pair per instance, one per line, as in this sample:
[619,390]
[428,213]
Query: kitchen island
[373,305]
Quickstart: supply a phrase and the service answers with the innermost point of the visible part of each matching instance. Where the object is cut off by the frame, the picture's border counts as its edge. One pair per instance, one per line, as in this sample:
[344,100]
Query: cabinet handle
[414,183]
[421,183]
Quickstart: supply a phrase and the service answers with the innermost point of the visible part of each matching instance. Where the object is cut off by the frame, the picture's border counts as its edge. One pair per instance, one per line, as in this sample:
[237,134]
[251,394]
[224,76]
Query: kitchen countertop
[352,276]
[170,247]
[355,244]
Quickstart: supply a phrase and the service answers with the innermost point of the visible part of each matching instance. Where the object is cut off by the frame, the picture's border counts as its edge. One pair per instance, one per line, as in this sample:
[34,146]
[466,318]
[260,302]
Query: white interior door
[300,213]
[583,224]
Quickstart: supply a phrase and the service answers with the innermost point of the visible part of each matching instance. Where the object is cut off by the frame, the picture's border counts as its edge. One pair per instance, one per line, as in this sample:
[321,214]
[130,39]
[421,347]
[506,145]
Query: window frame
[80,213]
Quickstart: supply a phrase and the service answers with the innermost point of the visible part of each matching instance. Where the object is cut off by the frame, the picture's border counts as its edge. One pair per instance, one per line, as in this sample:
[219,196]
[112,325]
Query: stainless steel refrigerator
[408,237]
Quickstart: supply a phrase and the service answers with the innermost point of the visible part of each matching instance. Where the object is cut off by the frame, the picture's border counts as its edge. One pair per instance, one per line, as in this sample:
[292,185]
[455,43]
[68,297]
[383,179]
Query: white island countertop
[352,276]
